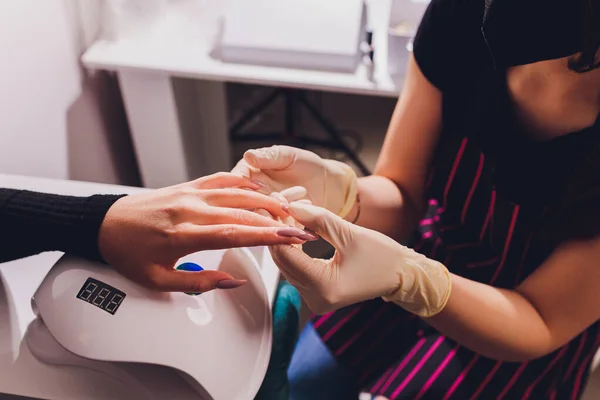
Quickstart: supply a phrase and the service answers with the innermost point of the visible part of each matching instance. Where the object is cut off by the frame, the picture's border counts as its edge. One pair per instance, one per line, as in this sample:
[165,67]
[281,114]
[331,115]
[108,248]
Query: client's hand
[297,173]
[143,235]
[366,265]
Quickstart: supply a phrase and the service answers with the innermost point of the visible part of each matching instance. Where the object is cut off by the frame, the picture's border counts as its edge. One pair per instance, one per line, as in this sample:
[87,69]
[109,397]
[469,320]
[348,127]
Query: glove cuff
[351,192]
[425,285]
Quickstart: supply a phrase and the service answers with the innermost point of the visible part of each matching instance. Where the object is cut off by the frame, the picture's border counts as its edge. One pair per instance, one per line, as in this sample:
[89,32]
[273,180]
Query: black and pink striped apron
[488,191]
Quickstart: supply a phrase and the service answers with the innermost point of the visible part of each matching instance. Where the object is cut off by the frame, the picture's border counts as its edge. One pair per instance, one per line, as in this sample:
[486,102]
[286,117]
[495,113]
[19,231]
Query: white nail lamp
[219,342]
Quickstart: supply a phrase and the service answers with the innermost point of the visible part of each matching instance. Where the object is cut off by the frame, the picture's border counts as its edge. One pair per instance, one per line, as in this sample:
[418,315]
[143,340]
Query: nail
[259,183]
[285,208]
[230,283]
[297,233]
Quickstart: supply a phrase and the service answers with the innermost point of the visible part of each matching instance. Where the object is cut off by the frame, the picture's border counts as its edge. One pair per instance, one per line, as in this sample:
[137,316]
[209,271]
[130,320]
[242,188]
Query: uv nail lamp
[154,345]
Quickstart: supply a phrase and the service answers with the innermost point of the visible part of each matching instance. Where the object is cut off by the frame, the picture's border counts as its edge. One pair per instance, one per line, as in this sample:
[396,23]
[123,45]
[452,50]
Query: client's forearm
[384,208]
[32,222]
[500,324]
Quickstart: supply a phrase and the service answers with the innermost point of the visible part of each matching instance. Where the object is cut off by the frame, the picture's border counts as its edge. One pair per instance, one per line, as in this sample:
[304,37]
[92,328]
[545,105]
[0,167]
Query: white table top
[166,52]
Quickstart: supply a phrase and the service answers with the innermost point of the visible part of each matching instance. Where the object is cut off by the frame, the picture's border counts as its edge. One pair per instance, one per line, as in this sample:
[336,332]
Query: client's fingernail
[259,183]
[285,208]
[297,233]
[230,283]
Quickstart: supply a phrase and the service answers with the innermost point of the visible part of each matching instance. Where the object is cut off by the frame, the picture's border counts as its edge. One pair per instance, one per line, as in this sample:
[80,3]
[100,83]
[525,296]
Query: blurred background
[62,119]
[149,92]
[59,120]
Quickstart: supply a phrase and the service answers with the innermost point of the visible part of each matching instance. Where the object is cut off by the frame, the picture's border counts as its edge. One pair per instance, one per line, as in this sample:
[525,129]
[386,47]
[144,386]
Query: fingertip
[230,283]
[251,157]
[284,240]
[296,233]
[294,193]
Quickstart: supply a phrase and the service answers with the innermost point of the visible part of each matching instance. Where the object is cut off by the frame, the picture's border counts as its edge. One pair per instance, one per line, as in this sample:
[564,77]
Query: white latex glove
[327,183]
[366,265]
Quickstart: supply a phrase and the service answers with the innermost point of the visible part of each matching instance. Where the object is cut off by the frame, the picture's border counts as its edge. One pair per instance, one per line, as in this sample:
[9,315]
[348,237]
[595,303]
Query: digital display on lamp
[101,295]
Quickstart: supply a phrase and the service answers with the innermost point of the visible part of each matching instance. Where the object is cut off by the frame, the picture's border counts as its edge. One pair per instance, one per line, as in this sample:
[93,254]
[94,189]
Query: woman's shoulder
[449,47]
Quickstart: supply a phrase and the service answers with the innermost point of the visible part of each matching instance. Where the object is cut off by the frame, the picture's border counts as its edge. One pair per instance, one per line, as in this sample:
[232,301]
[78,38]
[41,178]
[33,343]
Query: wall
[56,120]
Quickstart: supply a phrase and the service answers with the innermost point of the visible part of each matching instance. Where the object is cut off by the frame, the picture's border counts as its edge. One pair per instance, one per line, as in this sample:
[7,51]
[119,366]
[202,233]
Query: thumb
[242,169]
[274,157]
[296,266]
[323,222]
[171,280]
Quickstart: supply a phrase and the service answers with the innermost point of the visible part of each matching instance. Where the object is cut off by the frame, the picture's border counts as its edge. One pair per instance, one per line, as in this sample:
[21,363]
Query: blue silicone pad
[191,267]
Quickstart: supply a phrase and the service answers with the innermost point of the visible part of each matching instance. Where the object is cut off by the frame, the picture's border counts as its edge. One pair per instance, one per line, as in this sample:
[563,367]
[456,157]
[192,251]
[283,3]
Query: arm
[31,223]
[142,236]
[391,201]
[552,306]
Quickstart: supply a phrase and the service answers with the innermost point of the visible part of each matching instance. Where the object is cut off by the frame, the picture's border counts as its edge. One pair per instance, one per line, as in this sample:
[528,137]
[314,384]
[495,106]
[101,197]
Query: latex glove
[286,321]
[366,265]
[330,184]
[143,235]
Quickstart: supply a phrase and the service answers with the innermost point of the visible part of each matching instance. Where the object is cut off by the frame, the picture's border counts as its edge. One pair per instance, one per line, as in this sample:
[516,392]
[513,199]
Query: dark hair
[576,216]
[588,59]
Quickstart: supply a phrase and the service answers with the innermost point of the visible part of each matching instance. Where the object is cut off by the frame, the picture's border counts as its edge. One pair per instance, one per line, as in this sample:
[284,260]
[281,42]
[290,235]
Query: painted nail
[259,183]
[297,233]
[230,283]
[285,208]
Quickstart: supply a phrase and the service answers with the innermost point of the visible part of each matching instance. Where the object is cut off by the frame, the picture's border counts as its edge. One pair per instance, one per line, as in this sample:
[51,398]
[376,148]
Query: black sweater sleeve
[32,222]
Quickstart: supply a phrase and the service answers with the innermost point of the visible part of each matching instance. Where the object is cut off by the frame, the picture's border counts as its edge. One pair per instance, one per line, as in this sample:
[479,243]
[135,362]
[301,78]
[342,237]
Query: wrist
[354,213]
[423,285]
[106,229]
[347,186]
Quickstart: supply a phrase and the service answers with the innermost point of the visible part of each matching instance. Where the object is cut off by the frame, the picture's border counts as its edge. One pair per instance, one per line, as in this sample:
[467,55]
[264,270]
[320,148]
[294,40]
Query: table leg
[178,127]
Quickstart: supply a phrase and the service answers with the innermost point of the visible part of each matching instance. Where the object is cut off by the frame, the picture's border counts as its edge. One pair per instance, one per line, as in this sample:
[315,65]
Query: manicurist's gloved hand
[366,265]
[143,235]
[327,183]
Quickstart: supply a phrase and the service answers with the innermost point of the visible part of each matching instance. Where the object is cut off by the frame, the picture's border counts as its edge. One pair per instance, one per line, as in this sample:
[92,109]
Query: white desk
[175,144]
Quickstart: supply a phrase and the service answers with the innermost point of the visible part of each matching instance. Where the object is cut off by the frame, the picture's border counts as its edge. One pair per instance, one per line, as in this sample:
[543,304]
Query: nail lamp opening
[89,316]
